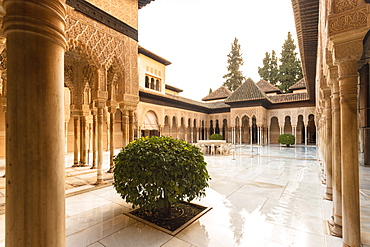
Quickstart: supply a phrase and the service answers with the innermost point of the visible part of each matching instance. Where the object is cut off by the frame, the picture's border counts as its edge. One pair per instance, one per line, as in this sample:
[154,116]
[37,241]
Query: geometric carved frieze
[343,5]
[349,20]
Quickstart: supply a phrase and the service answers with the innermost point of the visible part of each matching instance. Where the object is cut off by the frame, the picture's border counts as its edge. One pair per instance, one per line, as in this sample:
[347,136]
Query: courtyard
[272,196]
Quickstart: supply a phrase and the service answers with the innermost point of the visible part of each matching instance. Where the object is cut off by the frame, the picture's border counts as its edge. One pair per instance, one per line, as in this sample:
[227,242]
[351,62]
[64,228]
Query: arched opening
[274,130]
[211,129]
[166,126]
[300,138]
[174,129]
[150,125]
[147,82]
[254,130]
[287,125]
[152,83]
[246,130]
[217,129]
[311,129]
[157,85]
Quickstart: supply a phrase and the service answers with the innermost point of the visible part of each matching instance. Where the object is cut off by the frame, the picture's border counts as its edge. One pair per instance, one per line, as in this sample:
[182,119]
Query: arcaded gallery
[74,80]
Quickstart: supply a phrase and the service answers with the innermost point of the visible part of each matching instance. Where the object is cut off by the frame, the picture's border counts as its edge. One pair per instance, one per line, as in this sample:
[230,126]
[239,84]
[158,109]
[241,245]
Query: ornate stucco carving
[343,5]
[349,20]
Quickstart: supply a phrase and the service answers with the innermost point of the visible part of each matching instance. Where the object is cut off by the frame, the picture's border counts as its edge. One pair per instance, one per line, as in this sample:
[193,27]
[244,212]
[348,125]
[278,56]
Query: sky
[196,37]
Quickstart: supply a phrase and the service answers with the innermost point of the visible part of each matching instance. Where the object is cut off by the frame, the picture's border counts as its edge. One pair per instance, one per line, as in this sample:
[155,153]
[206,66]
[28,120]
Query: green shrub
[157,172]
[286,139]
[216,137]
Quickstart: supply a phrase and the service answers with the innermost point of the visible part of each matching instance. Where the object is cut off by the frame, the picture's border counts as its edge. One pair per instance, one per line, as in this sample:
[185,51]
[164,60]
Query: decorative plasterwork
[343,5]
[104,18]
[348,20]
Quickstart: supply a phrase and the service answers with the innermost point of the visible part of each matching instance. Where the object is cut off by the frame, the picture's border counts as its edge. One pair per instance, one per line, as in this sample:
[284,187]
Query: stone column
[125,127]
[66,137]
[328,149]
[306,134]
[240,135]
[94,137]
[35,194]
[83,140]
[75,136]
[336,223]
[347,55]
[131,126]
[100,104]
[111,140]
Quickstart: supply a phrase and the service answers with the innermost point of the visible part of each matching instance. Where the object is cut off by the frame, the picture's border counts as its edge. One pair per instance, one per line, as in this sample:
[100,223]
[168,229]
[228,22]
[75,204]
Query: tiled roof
[288,97]
[299,85]
[267,87]
[246,92]
[217,105]
[220,93]
[142,3]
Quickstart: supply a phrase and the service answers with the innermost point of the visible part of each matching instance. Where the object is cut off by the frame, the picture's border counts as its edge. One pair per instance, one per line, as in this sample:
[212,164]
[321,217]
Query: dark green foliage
[290,70]
[210,91]
[286,139]
[270,71]
[158,172]
[234,77]
[216,137]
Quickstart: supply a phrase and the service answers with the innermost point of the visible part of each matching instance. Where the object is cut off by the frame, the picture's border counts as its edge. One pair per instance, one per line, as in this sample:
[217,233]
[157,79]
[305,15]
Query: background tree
[234,77]
[210,91]
[290,70]
[270,70]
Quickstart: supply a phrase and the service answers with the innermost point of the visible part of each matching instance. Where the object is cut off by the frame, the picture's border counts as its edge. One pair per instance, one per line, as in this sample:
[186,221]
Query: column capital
[99,103]
[51,14]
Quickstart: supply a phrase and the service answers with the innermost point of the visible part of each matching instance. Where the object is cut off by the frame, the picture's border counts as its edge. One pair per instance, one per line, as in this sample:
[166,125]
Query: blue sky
[196,36]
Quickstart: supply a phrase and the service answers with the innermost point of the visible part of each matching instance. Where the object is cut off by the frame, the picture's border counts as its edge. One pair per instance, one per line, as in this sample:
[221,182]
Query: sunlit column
[94,139]
[348,79]
[131,126]
[100,104]
[35,193]
[75,141]
[111,139]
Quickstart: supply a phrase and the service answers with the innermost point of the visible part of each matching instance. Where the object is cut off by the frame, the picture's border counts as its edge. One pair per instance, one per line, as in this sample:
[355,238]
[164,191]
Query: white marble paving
[272,197]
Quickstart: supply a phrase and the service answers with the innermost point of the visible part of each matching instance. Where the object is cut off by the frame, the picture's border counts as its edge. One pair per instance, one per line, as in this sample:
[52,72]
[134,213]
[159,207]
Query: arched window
[157,85]
[152,83]
[146,81]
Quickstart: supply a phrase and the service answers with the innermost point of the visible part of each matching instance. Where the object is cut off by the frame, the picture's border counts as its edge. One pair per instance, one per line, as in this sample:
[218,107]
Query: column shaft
[75,143]
[348,78]
[100,106]
[35,194]
[111,142]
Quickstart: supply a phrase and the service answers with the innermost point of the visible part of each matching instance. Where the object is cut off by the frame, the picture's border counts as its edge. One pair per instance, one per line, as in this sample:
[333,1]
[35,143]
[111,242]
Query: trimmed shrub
[286,139]
[216,137]
[157,172]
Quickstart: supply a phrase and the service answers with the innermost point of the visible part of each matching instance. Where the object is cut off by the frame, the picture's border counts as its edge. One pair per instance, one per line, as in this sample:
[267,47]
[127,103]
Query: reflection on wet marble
[269,197]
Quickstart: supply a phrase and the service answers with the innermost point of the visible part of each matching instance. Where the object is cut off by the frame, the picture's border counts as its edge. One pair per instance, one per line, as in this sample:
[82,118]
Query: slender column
[131,126]
[258,135]
[336,224]
[348,78]
[100,104]
[75,136]
[94,137]
[125,126]
[83,140]
[305,134]
[35,194]
[66,137]
[111,140]
[240,135]
[328,149]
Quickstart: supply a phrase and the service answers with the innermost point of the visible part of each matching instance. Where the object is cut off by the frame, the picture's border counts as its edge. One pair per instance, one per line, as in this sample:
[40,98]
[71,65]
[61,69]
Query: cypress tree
[290,70]
[234,77]
[270,70]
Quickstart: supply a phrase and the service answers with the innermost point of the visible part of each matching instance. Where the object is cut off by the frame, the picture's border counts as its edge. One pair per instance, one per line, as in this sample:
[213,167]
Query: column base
[110,170]
[76,164]
[85,165]
[100,182]
[335,230]
[93,167]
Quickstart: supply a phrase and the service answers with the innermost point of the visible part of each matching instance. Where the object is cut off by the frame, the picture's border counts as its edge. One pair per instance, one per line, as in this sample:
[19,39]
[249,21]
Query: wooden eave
[306,15]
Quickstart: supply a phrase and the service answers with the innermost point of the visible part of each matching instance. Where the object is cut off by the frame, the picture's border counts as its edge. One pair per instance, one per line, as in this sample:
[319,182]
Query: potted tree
[216,137]
[157,173]
[286,139]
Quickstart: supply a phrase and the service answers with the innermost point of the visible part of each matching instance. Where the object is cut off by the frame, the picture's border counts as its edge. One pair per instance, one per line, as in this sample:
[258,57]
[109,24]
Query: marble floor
[271,196]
